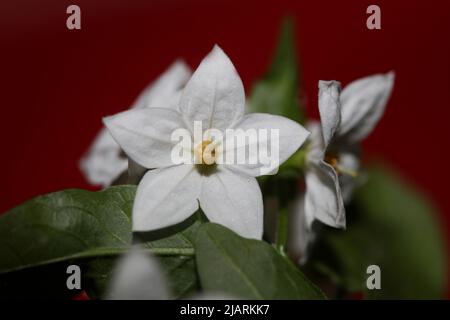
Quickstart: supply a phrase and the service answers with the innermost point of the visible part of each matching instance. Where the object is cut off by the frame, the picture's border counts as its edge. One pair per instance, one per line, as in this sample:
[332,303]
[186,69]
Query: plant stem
[282,230]
[155,251]
[172,251]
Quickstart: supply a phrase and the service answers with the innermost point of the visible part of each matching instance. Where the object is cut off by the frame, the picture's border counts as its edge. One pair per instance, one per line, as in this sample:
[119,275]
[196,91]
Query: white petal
[290,136]
[214,94]
[103,162]
[235,201]
[323,198]
[145,134]
[363,102]
[166,197]
[329,108]
[165,91]
[137,276]
[316,146]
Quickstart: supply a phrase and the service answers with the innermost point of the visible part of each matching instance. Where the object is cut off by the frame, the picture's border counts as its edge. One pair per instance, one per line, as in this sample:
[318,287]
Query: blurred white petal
[323,195]
[329,108]
[165,92]
[104,162]
[138,276]
[363,102]
[145,134]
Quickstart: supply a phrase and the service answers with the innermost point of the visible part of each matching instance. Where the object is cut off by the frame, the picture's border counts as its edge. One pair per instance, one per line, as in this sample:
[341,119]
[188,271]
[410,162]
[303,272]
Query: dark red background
[56,84]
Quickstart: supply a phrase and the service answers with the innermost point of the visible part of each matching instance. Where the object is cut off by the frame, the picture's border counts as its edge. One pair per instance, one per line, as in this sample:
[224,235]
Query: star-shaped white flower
[103,163]
[347,117]
[228,194]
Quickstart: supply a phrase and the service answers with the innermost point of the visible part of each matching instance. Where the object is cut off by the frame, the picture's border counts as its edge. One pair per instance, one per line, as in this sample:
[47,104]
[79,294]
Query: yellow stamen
[333,160]
[205,153]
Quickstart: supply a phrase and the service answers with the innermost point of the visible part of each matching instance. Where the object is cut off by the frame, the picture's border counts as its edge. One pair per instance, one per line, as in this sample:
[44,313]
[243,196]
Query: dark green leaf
[90,229]
[393,226]
[277,92]
[244,268]
[65,225]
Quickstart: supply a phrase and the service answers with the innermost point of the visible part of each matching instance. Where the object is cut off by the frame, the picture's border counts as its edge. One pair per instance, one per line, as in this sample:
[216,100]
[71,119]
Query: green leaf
[244,268]
[180,269]
[277,92]
[90,229]
[392,225]
[65,225]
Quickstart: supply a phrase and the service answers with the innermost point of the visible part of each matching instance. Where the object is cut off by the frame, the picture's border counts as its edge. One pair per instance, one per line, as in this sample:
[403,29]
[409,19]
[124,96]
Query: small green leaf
[244,268]
[393,226]
[277,92]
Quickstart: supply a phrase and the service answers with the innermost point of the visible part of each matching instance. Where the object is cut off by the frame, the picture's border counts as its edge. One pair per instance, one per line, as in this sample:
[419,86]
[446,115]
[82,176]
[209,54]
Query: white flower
[347,117]
[228,194]
[104,162]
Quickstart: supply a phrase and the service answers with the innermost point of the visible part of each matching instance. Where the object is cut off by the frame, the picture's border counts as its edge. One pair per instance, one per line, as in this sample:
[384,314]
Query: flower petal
[323,195]
[166,197]
[329,108]
[234,201]
[363,102]
[316,148]
[165,92]
[103,162]
[145,134]
[291,136]
[215,94]
[137,276]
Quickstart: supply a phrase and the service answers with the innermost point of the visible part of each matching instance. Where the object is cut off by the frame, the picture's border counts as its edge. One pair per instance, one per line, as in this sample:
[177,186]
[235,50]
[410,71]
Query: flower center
[205,153]
[333,160]
[205,157]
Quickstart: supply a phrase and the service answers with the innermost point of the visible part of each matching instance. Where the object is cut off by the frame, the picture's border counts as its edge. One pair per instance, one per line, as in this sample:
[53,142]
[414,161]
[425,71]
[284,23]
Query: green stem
[172,251]
[282,232]
[155,251]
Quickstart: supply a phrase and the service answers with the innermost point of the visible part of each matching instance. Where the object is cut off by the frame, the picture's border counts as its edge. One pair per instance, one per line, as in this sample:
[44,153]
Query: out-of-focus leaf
[244,268]
[277,92]
[392,225]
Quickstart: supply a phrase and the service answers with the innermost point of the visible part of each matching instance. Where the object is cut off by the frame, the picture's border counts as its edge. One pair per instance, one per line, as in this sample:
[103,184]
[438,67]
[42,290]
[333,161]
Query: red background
[56,84]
